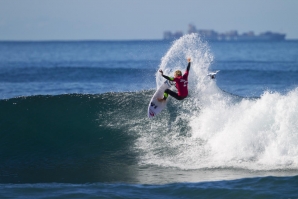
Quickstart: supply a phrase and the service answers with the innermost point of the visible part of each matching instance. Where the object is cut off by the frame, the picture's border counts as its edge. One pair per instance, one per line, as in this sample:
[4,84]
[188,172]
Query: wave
[66,134]
[226,132]
[107,137]
[213,129]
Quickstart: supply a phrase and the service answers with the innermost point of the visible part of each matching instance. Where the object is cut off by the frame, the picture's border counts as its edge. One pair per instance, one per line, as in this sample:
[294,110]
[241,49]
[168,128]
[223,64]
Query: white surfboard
[155,107]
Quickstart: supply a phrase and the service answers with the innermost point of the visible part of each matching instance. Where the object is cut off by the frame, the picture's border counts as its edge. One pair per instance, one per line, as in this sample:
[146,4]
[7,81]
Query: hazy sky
[141,19]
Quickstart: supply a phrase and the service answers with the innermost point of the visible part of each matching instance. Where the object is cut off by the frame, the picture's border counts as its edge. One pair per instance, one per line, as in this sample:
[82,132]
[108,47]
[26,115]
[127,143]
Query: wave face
[69,138]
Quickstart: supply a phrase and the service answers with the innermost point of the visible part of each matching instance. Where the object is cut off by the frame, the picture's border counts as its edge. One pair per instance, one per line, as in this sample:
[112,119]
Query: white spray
[222,132]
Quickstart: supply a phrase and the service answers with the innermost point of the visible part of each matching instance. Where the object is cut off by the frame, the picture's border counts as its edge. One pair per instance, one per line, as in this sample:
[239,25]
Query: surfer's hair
[178,73]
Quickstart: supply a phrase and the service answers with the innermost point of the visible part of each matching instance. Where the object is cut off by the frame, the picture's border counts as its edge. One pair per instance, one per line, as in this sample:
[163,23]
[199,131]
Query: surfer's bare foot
[161,99]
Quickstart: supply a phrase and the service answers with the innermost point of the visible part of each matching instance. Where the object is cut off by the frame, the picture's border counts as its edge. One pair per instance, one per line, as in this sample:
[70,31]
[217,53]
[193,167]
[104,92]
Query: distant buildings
[233,35]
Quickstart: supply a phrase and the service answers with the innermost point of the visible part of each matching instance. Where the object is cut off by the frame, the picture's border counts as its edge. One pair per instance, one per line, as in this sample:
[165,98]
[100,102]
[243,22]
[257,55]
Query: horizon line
[122,40]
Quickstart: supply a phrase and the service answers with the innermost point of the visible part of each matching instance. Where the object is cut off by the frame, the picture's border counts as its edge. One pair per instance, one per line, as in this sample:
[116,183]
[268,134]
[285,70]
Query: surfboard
[155,107]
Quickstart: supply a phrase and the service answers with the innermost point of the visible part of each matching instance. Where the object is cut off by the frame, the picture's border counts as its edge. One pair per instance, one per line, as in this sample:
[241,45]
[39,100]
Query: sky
[141,19]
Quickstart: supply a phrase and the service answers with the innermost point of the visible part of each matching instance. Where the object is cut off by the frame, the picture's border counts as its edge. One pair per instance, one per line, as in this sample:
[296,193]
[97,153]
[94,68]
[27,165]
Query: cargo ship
[211,35]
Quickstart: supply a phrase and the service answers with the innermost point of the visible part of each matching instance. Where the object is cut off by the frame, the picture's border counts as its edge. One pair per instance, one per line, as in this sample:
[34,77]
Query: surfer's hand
[161,71]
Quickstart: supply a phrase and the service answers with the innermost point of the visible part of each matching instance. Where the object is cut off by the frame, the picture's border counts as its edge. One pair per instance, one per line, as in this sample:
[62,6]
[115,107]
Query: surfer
[181,84]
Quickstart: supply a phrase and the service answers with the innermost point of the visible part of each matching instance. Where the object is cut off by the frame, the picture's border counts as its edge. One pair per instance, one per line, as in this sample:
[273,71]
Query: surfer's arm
[188,66]
[168,78]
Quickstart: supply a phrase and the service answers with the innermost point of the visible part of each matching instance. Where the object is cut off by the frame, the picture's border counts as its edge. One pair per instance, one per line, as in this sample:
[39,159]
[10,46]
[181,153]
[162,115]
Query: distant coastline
[211,35]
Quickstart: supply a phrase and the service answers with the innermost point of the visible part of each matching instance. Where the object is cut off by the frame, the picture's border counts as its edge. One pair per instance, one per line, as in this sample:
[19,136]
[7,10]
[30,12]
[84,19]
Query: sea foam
[214,129]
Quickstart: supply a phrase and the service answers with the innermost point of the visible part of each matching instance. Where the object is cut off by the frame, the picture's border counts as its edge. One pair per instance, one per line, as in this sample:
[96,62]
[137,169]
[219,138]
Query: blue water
[73,121]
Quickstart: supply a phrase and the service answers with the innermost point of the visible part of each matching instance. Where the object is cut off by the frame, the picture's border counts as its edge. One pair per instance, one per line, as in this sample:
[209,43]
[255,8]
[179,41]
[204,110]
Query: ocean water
[73,120]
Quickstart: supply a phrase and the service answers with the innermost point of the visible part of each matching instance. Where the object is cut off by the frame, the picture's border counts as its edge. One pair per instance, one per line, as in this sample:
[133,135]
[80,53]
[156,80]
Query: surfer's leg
[173,94]
[169,92]
[165,95]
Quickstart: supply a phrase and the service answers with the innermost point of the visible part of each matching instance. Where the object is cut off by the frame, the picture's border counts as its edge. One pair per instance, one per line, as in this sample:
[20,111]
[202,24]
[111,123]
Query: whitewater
[213,129]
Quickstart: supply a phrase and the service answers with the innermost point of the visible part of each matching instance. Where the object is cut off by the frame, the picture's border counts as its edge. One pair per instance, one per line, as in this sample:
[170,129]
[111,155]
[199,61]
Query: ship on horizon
[233,35]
